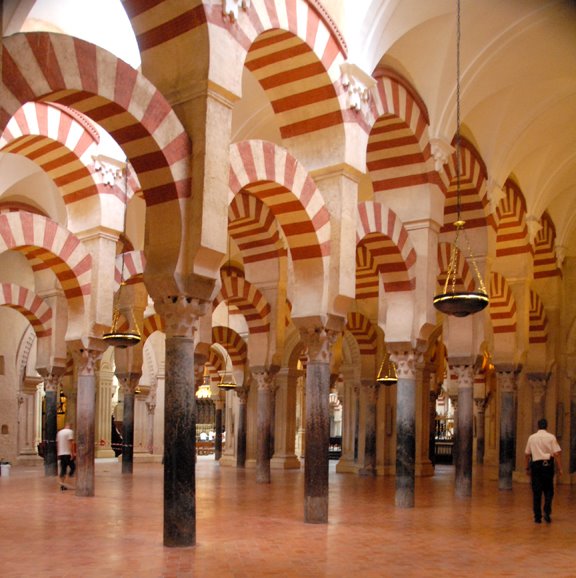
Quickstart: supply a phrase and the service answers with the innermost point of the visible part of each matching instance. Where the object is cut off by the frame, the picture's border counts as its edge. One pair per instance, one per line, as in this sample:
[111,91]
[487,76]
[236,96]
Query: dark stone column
[180,315]
[128,385]
[573,427]
[369,469]
[538,382]
[432,426]
[84,433]
[405,426]
[506,380]
[219,405]
[263,419]
[464,448]
[318,340]
[52,378]
[480,429]
[241,428]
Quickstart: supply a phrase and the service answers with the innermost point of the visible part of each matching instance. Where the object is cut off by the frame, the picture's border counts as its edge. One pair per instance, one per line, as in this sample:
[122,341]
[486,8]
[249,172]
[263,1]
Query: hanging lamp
[450,301]
[117,337]
[387,374]
[227,380]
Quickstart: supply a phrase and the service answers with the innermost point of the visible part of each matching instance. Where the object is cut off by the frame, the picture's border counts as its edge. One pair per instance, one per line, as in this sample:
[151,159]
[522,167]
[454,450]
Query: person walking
[542,457]
[66,451]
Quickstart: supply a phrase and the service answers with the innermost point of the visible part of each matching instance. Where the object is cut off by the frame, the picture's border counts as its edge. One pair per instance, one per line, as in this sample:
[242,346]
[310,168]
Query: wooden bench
[204,448]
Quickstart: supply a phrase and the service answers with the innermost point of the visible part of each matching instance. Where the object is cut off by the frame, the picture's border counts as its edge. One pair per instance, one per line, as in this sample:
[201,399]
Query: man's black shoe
[547,518]
[537,521]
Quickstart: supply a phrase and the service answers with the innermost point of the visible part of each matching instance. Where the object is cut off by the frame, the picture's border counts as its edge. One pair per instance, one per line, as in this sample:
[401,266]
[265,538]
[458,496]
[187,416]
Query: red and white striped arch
[254,229]
[274,176]
[390,252]
[152,323]
[47,245]
[232,342]
[70,72]
[474,207]
[538,332]
[295,51]
[464,278]
[399,152]
[363,331]
[545,264]
[60,141]
[32,306]
[502,305]
[129,268]
[512,232]
[248,299]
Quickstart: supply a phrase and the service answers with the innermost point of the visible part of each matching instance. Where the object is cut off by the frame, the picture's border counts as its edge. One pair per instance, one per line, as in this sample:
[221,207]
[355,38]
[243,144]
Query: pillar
[464,429]
[318,341]
[405,426]
[128,384]
[506,380]
[242,394]
[538,383]
[480,430]
[263,382]
[371,389]
[218,407]
[52,377]
[86,361]
[105,390]
[346,462]
[284,426]
[180,315]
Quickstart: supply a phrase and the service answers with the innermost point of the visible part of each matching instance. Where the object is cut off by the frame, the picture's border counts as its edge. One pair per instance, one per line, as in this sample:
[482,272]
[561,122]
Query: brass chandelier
[451,301]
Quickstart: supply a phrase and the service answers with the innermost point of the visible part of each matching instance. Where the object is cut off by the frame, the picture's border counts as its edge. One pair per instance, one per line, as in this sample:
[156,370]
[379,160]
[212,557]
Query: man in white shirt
[66,451]
[542,455]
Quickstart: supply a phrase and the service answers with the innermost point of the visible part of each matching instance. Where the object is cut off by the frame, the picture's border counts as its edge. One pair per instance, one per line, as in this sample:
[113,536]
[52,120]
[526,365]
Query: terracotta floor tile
[249,530]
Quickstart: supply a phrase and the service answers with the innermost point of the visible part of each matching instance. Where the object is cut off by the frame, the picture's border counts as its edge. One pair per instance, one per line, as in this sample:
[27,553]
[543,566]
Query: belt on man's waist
[543,462]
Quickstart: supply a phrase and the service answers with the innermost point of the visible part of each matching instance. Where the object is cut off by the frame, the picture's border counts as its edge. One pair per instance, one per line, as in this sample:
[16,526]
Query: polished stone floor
[249,530]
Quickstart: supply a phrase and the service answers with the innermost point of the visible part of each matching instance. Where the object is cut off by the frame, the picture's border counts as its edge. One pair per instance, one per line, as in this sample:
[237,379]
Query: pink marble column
[464,429]
[263,380]
[86,362]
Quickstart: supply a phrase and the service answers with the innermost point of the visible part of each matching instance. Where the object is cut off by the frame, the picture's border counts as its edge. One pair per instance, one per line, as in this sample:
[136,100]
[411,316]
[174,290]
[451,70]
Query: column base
[289,462]
[147,458]
[104,453]
[346,466]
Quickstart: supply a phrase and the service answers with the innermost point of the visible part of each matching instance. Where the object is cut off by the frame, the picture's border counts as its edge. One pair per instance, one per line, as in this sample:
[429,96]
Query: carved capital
[318,341]
[405,363]
[87,360]
[464,375]
[180,314]
[357,85]
[506,381]
[242,393]
[441,151]
[128,382]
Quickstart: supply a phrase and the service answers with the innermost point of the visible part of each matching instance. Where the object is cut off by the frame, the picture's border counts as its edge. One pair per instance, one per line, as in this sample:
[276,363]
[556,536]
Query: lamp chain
[458,144]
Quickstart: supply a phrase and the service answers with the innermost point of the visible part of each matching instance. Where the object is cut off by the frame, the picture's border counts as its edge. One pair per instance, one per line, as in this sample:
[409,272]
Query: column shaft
[50,430]
[128,432]
[464,448]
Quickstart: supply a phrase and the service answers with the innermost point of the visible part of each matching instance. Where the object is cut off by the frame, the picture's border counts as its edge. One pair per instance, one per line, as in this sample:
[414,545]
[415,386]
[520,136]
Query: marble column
[405,426]
[480,429]
[128,385]
[371,389]
[506,380]
[284,418]
[538,383]
[263,382]
[105,390]
[52,377]
[180,315]
[464,429]
[86,361]
[241,428]
[433,396]
[318,341]
[218,407]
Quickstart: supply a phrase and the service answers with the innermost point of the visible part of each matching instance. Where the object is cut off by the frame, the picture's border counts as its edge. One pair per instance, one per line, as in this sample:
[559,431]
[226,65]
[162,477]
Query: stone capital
[405,361]
[128,382]
[87,360]
[180,314]
[318,341]
[464,374]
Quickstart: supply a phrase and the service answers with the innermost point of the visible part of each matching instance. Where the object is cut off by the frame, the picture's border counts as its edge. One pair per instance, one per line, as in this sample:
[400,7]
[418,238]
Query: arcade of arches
[268,193]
